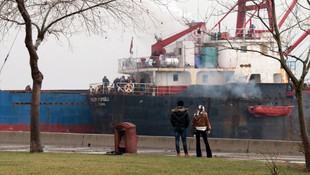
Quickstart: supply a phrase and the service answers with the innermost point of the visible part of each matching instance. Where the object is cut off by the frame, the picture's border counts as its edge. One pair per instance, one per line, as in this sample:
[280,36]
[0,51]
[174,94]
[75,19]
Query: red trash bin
[125,138]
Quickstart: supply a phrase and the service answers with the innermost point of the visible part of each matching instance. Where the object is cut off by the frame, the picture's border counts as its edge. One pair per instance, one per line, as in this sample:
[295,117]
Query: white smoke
[230,90]
[246,90]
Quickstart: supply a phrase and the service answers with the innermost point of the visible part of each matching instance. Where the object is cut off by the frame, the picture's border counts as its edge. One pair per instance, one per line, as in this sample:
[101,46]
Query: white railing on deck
[126,88]
[138,63]
[134,88]
[247,34]
[167,61]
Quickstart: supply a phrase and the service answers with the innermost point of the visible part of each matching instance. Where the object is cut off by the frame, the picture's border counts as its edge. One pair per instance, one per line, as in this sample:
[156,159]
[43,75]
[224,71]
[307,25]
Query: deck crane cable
[6,58]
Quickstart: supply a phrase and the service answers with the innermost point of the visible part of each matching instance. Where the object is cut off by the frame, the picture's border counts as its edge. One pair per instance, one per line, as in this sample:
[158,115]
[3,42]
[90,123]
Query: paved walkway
[106,150]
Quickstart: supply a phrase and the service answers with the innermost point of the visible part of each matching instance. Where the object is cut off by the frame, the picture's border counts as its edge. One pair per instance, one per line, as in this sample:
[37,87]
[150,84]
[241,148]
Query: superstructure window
[205,78]
[256,78]
[277,78]
[291,65]
[243,49]
[264,49]
[175,77]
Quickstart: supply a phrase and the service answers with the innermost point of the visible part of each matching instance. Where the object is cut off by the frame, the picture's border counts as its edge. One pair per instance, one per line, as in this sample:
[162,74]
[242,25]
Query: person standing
[202,125]
[180,121]
[142,84]
[116,84]
[28,88]
[105,82]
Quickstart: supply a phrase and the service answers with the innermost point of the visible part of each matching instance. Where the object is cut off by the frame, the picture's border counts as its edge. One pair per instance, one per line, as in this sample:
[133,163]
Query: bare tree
[297,24]
[298,82]
[65,18]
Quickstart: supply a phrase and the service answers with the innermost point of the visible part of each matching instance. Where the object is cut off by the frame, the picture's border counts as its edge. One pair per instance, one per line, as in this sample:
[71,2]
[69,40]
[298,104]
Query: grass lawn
[14,163]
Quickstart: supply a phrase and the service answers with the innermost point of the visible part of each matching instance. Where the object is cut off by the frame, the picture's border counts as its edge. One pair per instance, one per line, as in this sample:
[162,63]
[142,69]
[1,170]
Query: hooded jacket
[179,117]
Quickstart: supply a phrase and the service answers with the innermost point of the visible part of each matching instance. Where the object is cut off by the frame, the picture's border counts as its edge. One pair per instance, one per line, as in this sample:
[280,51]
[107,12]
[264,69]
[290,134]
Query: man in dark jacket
[180,121]
[105,82]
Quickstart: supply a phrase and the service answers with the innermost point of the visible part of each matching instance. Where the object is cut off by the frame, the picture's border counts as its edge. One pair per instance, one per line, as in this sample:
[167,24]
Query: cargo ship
[246,94]
[60,111]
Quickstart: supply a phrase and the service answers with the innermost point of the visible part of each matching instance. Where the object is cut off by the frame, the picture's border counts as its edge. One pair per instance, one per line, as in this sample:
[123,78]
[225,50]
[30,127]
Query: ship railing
[145,63]
[239,33]
[96,88]
[135,63]
[133,88]
[122,87]
[130,88]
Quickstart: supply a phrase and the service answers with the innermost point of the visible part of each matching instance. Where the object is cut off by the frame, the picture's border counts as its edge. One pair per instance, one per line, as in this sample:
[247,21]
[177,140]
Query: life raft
[129,87]
[261,110]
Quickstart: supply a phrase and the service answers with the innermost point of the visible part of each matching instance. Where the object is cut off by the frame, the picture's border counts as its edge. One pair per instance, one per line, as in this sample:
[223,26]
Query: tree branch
[11,20]
[74,13]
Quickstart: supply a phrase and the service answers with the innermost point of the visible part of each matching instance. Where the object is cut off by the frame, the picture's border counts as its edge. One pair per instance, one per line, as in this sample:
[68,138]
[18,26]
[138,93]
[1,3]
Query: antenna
[198,10]
[7,56]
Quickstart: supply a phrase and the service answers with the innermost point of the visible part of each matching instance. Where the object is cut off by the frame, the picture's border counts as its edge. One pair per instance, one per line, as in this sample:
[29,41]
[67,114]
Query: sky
[87,60]
[90,57]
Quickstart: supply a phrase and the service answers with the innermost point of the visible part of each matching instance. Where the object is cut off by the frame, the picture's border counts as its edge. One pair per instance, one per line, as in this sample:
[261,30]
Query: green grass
[72,163]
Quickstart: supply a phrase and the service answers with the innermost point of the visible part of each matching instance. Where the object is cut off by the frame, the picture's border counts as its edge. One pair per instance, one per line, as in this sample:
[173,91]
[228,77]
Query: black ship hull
[226,105]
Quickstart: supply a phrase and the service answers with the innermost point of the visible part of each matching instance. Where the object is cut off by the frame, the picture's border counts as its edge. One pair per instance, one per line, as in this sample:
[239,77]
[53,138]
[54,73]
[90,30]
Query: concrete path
[241,149]
[160,152]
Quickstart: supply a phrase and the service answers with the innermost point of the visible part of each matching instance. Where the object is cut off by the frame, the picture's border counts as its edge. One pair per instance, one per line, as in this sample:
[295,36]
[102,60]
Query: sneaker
[187,155]
[178,154]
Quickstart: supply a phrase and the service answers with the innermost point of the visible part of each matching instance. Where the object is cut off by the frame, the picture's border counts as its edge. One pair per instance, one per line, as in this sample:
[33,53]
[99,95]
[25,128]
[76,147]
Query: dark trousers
[205,139]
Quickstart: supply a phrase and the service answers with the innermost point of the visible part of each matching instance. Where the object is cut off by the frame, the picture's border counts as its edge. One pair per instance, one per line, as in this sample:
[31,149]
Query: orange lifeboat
[261,110]
[292,93]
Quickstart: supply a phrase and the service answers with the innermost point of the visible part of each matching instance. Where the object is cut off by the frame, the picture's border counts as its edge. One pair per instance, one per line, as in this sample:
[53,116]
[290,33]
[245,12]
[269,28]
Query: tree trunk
[37,77]
[303,129]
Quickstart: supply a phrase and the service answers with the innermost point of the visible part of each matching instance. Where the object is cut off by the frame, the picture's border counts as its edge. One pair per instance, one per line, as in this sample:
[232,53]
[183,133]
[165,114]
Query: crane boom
[287,13]
[291,48]
[158,48]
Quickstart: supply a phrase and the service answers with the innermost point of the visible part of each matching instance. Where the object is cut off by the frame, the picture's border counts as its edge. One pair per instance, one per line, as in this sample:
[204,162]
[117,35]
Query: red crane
[243,8]
[241,19]
[158,48]
[292,47]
